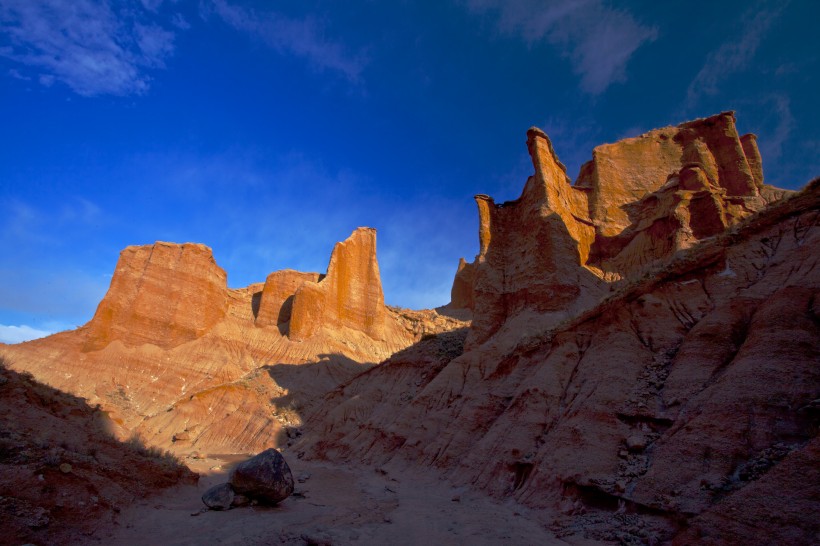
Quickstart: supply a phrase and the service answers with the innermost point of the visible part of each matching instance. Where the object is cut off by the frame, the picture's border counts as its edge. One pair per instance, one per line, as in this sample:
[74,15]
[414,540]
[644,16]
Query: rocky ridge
[175,355]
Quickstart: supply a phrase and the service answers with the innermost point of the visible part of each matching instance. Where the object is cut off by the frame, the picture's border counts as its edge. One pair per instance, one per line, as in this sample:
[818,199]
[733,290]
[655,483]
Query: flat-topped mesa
[350,295]
[165,294]
[639,200]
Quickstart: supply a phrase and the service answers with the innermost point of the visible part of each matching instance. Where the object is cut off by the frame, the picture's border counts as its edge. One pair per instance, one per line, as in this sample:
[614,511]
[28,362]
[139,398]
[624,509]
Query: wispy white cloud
[736,54]
[99,47]
[49,267]
[419,244]
[23,222]
[151,5]
[771,118]
[14,73]
[18,334]
[51,291]
[597,39]
[304,38]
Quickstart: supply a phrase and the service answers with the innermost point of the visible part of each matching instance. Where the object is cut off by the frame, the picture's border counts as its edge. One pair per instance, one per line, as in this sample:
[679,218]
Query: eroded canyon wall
[658,414]
[558,248]
[641,377]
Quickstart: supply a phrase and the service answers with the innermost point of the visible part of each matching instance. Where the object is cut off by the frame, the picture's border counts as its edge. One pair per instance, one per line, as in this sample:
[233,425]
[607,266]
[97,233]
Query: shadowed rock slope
[192,365]
[63,474]
[677,401]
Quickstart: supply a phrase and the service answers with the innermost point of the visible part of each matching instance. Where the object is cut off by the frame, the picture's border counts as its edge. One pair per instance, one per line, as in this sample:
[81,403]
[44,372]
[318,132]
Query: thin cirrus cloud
[597,39]
[109,47]
[303,38]
[734,55]
[95,48]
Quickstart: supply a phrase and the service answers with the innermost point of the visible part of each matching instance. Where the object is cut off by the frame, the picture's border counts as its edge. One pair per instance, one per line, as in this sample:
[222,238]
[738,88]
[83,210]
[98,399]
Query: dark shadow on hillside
[256,300]
[283,320]
[307,383]
[321,385]
[406,374]
[63,472]
[455,313]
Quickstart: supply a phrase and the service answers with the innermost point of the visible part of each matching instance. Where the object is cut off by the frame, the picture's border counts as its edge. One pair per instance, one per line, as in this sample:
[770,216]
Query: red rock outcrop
[276,299]
[461,295]
[175,355]
[555,250]
[164,294]
[349,296]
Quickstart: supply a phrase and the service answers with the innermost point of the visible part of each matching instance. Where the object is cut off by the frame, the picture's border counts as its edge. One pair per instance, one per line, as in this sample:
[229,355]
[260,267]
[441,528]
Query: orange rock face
[349,296]
[164,294]
[556,249]
[461,296]
[276,299]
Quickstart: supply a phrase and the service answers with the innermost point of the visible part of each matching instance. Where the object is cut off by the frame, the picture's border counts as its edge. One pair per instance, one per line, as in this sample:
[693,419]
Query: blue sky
[271,130]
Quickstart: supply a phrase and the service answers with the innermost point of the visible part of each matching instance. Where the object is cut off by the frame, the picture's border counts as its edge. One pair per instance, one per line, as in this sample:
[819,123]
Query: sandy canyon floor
[331,505]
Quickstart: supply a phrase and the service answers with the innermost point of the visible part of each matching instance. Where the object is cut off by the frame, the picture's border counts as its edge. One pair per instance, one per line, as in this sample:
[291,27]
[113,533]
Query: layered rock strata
[276,298]
[349,296]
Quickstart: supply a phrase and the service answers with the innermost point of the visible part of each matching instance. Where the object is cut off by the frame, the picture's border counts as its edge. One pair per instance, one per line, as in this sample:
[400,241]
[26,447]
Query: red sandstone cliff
[349,296]
[192,365]
[164,294]
[663,388]
[558,248]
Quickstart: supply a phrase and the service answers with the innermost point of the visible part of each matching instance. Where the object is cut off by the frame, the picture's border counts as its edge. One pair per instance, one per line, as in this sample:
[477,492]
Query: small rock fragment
[219,497]
[636,442]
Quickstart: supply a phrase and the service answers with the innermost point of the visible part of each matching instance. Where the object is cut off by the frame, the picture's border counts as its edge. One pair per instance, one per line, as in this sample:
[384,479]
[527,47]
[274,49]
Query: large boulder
[265,478]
